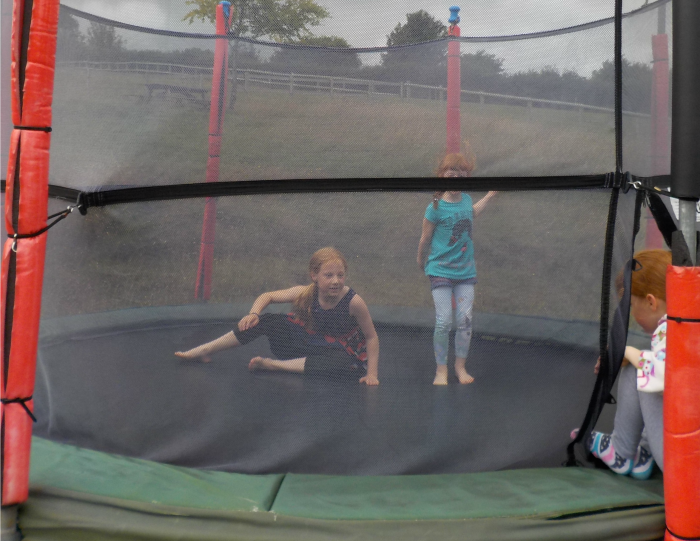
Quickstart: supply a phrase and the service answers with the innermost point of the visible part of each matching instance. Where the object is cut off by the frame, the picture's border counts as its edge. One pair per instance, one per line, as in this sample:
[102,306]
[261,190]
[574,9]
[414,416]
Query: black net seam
[465,39]
[618,86]
[222,189]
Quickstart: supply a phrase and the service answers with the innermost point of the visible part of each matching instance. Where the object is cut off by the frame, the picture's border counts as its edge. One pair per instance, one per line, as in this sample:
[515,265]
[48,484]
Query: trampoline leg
[10,530]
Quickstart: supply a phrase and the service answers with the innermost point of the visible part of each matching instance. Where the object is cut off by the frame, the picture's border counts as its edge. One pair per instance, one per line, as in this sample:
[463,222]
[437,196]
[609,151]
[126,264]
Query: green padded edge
[63,468]
[544,492]
[79,494]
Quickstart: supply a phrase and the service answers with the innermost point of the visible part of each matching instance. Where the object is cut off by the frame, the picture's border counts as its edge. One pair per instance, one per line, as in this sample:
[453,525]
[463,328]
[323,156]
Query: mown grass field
[538,253]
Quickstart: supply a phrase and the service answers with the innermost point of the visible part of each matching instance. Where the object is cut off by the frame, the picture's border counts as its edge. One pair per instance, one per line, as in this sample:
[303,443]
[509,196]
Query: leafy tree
[481,71]
[70,41]
[103,42]
[421,63]
[419,27]
[636,94]
[319,60]
[278,19]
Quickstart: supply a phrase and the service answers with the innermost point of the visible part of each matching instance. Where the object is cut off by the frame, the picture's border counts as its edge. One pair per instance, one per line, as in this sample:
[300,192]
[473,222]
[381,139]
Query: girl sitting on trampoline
[329,332]
[446,254]
[641,379]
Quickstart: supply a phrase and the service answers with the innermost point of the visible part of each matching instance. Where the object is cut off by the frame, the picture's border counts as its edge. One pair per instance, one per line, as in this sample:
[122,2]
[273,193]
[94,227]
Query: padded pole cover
[681,405]
[217,110]
[26,204]
[453,87]
[685,158]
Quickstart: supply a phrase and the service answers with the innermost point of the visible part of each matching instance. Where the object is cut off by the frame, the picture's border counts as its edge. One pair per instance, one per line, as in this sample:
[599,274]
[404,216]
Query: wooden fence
[249,79]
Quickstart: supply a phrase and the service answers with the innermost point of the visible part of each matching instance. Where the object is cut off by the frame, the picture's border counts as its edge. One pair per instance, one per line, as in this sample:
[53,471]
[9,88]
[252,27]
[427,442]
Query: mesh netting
[119,300]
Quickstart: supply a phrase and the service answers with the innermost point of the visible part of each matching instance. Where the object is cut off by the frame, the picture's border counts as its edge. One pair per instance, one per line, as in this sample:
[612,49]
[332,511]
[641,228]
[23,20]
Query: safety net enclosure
[211,164]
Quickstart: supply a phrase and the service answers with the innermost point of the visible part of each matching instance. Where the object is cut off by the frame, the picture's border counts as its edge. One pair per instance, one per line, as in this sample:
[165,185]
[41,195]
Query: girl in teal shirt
[449,264]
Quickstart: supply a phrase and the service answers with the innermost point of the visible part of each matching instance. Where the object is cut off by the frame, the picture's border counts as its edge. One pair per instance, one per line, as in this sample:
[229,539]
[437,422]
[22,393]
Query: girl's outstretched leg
[204,351]
[265,363]
[440,375]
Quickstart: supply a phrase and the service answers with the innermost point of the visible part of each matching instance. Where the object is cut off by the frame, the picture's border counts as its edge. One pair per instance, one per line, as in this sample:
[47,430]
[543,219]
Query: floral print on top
[652,367]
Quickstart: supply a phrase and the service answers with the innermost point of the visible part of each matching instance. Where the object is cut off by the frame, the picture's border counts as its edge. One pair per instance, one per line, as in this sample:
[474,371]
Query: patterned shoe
[602,447]
[643,464]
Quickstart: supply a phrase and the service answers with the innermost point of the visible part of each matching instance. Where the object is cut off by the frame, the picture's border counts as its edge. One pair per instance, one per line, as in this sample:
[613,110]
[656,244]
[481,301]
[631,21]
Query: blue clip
[454,17]
[227,9]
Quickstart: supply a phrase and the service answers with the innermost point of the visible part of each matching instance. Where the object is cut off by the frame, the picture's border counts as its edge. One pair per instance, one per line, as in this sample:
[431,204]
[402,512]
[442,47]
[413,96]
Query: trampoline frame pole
[217,110]
[453,124]
[659,151]
[33,51]
[682,379]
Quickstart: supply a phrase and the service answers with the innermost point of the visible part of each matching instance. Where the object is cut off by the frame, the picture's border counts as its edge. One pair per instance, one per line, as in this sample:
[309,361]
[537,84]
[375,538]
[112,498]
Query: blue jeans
[464,297]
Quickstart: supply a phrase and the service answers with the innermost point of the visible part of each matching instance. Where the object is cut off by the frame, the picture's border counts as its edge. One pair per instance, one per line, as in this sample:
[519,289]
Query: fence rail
[293,82]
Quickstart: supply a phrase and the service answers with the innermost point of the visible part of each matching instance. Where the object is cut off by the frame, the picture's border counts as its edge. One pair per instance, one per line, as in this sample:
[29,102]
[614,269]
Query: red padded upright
[26,204]
[682,405]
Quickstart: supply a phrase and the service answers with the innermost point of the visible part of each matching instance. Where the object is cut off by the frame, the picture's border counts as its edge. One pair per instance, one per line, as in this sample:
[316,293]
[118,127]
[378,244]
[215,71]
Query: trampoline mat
[123,391]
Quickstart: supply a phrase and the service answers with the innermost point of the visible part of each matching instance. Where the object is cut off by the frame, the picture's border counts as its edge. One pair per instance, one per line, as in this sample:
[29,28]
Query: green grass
[538,253]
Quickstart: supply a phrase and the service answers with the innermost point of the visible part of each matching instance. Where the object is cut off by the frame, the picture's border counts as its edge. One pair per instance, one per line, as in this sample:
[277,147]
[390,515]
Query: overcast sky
[366,23]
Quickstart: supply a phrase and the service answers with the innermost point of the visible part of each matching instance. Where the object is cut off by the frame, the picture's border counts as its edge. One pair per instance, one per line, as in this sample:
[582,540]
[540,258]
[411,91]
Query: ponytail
[302,306]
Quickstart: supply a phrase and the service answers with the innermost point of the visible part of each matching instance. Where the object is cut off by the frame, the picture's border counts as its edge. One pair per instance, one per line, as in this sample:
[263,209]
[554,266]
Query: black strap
[34,128]
[61,215]
[22,402]
[681,537]
[682,319]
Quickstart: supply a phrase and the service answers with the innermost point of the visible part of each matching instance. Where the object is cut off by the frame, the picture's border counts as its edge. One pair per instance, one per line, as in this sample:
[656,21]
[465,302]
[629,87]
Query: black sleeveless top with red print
[335,327]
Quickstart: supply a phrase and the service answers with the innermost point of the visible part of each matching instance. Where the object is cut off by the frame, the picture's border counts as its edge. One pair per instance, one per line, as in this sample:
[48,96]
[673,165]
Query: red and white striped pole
[217,110]
[454,134]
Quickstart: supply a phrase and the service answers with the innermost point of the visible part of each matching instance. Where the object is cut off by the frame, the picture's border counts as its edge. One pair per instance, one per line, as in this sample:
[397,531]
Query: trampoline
[204,164]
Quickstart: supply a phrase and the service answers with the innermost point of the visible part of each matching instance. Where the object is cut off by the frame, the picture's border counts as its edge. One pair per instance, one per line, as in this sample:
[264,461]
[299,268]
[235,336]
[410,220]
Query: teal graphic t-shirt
[452,249]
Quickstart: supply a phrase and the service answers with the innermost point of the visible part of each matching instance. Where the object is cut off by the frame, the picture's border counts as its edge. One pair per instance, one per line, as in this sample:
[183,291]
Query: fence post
[332,84]
[291,83]
[246,80]
[408,89]
[529,108]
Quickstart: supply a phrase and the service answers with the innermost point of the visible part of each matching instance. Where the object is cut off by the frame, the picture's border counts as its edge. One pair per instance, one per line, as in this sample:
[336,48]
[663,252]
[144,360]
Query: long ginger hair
[303,303]
[454,162]
[648,274]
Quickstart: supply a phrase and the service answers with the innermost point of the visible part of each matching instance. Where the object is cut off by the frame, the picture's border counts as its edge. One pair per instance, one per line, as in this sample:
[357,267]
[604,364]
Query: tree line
[413,60]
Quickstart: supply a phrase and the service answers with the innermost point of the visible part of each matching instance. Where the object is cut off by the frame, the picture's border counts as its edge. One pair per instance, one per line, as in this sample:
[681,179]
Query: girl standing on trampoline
[641,379]
[329,332]
[446,254]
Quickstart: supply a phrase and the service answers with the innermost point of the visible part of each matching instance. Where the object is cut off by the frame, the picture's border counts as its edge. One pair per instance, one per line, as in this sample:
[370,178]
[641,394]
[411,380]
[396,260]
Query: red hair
[454,161]
[302,304]
[648,274]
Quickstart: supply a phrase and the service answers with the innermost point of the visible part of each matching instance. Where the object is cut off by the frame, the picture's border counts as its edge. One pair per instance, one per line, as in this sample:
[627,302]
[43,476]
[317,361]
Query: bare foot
[462,375]
[440,375]
[192,357]
[259,363]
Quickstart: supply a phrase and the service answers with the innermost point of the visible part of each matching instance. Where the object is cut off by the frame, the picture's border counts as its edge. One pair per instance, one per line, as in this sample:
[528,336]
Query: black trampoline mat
[123,391]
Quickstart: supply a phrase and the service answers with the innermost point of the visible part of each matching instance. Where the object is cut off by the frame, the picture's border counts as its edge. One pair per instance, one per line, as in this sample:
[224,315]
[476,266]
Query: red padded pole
[26,204]
[682,405]
[5,59]
[217,110]
[453,86]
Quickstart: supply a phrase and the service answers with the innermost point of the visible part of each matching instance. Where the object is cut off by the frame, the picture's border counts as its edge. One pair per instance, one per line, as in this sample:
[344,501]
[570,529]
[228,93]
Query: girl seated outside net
[641,379]
[329,332]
